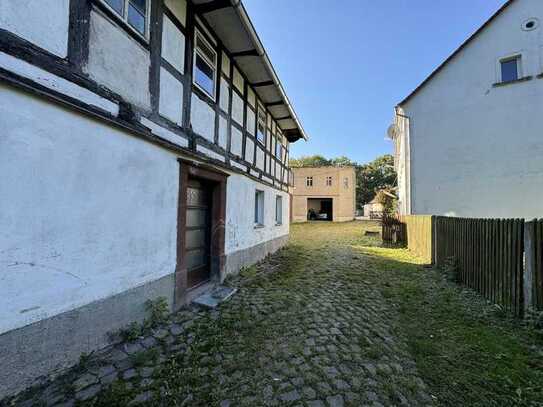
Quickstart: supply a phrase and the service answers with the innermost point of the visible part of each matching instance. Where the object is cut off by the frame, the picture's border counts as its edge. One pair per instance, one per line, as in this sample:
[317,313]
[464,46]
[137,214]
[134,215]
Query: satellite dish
[393,131]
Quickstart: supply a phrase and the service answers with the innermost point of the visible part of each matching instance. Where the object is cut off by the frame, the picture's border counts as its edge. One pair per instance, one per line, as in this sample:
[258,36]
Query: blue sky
[345,64]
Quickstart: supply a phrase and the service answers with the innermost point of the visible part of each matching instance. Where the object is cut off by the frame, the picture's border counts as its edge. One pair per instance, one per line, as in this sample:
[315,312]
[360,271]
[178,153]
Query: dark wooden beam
[278,103]
[262,84]
[211,6]
[283,118]
[248,53]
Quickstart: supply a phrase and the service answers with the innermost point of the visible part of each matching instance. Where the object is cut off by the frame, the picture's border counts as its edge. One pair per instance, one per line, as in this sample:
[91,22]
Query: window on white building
[510,69]
[279,210]
[259,208]
[346,182]
[328,181]
[205,66]
[309,181]
[134,12]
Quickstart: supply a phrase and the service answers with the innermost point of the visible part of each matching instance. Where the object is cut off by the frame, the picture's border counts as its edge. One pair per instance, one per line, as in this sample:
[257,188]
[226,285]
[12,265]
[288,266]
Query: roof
[230,21]
[458,50]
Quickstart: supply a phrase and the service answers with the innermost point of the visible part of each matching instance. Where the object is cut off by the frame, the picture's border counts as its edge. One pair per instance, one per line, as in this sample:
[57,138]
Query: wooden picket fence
[533,289]
[393,230]
[489,256]
[502,259]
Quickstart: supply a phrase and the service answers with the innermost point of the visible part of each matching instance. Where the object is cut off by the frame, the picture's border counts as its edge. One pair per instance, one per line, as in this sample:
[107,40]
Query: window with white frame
[205,65]
[328,181]
[259,208]
[134,12]
[261,126]
[278,210]
[309,182]
[510,68]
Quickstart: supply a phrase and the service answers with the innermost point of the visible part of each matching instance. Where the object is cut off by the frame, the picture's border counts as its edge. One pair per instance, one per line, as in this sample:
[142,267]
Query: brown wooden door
[198,232]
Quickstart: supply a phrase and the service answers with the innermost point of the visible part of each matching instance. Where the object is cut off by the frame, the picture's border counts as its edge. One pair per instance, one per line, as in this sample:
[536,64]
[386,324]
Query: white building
[468,139]
[143,154]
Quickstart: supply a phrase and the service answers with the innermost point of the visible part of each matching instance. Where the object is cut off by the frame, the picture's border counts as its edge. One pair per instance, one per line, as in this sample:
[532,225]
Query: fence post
[529,265]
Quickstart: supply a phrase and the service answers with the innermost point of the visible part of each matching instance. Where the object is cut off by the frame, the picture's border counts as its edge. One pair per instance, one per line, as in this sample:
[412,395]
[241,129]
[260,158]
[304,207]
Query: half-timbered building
[143,154]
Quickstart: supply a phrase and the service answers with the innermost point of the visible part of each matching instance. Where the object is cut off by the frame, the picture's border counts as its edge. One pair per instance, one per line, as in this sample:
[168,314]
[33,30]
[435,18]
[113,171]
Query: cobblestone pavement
[307,328]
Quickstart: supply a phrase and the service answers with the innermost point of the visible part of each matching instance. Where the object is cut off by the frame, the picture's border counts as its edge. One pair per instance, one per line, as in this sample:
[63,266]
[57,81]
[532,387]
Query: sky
[345,64]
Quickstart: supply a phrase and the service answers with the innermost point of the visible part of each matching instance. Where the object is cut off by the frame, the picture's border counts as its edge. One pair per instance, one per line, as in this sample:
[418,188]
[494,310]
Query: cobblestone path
[307,328]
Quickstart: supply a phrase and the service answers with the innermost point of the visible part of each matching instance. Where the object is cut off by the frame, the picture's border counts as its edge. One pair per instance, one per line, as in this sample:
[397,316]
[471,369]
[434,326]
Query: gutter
[242,13]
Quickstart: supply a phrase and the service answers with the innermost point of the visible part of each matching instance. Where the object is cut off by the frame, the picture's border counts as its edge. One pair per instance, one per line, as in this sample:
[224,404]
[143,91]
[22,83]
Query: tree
[310,161]
[388,200]
[373,177]
[342,162]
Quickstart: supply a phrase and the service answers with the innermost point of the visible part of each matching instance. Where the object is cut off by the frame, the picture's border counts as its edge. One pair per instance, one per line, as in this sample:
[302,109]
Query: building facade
[144,153]
[467,140]
[324,193]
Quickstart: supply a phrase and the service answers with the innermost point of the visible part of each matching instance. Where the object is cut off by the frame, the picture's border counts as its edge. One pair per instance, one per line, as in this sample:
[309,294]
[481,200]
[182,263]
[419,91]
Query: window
[205,66]
[346,182]
[510,69]
[278,210]
[309,181]
[328,181]
[259,208]
[134,12]
[261,127]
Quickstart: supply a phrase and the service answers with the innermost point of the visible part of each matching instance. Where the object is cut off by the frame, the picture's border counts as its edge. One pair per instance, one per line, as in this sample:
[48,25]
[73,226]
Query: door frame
[217,181]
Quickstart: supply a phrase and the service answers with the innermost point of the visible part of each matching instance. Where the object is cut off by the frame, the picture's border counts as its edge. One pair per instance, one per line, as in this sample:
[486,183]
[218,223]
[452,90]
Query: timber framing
[271,170]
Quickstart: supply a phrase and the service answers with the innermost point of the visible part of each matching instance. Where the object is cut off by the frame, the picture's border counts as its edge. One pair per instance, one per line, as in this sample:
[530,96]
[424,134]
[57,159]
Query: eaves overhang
[230,21]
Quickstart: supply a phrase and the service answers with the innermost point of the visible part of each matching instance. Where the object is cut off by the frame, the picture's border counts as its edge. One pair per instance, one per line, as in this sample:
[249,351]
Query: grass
[469,352]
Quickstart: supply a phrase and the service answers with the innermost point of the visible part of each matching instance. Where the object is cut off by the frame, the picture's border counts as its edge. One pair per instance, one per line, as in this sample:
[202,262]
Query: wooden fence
[533,278]
[419,235]
[489,255]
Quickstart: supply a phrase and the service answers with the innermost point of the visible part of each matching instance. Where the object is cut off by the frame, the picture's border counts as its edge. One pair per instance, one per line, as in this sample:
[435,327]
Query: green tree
[310,161]
[373,177]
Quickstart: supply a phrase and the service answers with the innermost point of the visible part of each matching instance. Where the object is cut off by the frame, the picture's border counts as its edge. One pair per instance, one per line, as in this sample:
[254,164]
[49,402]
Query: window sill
[278,224]
[524,79]
[259,226]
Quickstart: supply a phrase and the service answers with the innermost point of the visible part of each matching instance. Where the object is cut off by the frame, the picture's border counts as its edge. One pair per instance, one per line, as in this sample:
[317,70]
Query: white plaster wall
[260,158]
[238,80]
[240,202]
[237,108]
[236,142]
[224,100]
[178,8]
[91,212]
[210,153]
[44,23]
[475,149]
[225,64]
[249,150]
[173,45]
[56,83]
[164,133]
[223,132]
[171,97]
[202,118]
[117,61]
[251,122]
